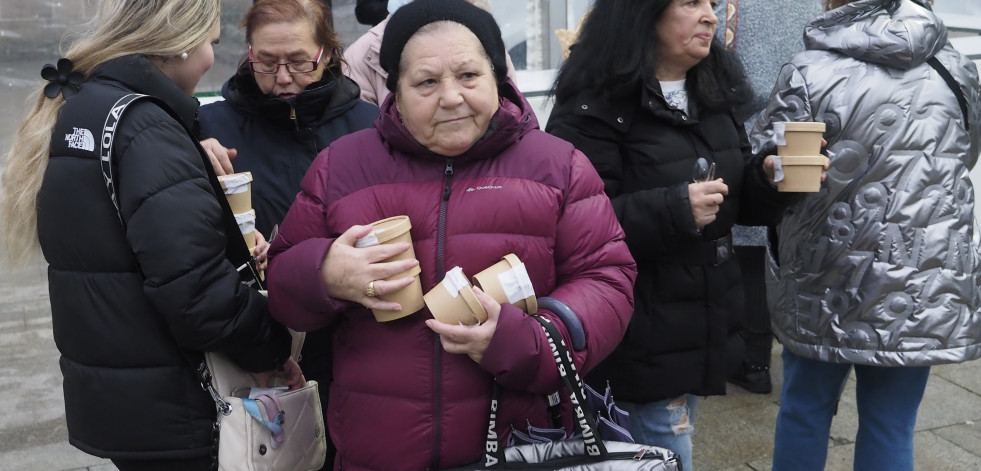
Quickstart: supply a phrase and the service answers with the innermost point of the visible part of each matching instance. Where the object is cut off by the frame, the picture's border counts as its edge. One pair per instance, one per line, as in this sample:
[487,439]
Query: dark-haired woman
[647,116]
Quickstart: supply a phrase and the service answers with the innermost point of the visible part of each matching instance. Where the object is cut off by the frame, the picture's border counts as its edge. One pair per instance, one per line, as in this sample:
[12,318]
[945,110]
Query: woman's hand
[220,156]
[348,271]
[290,375]
[705,199]
[469,339]
[261,252]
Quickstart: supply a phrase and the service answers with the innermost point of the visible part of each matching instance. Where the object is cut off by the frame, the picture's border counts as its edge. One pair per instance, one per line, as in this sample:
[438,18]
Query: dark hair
[266,12]
[616,52]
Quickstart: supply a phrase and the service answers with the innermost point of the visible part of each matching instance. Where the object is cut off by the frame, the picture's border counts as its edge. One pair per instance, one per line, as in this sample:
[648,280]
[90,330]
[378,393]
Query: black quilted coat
[134,307]
[688,294]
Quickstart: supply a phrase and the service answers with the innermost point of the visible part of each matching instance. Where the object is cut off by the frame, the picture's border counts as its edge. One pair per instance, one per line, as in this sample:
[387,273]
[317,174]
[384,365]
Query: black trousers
[756,333]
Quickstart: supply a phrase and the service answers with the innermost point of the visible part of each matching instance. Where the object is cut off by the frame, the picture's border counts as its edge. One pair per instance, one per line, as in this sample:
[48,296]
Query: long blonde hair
[155,28]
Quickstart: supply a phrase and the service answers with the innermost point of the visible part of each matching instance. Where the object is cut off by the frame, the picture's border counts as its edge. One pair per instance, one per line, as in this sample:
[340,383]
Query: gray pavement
[734,432]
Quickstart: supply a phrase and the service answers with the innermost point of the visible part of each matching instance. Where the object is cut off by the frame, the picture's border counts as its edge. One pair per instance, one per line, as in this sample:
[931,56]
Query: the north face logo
[80,139]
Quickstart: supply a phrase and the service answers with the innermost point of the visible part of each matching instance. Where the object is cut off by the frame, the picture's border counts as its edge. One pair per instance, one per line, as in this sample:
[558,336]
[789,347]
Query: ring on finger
[369,290]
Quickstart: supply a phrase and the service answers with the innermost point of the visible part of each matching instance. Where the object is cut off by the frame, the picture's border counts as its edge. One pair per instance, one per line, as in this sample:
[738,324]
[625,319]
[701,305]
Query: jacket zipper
[447,189]
[293,118]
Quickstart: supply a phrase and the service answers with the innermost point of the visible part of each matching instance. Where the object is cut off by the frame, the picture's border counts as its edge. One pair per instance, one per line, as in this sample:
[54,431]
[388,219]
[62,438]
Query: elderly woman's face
[281,43]
[684,31]
[446,93]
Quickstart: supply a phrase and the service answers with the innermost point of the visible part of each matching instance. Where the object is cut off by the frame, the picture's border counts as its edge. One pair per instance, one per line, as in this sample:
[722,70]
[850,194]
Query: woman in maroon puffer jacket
[458,150]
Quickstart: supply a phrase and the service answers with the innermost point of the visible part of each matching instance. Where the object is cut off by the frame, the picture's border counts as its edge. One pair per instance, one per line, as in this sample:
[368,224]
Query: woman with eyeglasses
[287,102]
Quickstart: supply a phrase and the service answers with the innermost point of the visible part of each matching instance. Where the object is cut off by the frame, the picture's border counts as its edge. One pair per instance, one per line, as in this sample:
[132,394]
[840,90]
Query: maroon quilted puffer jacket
[398,401]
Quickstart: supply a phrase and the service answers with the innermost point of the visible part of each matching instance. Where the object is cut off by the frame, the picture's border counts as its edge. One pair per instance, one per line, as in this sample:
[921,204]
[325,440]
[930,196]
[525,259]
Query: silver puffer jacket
[881,267]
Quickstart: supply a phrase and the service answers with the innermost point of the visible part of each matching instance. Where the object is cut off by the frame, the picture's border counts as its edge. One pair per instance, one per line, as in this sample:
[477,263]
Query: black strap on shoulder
[954,87]
[236,250]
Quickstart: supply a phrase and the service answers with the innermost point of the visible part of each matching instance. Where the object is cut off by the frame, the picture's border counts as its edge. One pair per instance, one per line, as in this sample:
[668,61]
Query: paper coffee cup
[801,173]
[238,191]
[249,240]
[452,301]
[795,138]
[246,225]
[508,282]
[389,231]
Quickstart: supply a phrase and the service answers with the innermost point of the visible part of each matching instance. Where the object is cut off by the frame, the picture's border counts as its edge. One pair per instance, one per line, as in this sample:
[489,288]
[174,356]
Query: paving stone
[936,409]
[967,436]
[933,452]
[58,456]
[966,375]
[738,435]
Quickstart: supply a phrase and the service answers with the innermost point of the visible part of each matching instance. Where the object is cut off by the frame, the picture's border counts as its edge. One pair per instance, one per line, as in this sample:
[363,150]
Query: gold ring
[369,290]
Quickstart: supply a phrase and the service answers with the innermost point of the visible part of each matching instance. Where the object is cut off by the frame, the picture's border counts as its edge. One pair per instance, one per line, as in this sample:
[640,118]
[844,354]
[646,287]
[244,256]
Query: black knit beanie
[412,17]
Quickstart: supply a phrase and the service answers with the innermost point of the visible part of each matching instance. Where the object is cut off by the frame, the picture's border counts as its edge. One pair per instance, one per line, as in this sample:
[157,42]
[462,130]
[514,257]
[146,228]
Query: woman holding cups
[457,150]
[879,272]
[287,101]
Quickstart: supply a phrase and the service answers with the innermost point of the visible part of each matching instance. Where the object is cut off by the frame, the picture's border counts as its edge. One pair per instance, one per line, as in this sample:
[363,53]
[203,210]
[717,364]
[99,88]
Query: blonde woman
[136,294]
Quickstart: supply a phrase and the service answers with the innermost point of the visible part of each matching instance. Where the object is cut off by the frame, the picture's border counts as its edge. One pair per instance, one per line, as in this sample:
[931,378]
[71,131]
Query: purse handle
[593,444]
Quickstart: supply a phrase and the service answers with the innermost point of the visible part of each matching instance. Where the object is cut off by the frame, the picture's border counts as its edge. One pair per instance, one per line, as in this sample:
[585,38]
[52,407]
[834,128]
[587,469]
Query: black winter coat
[688,294]
[134,308]
[277,139]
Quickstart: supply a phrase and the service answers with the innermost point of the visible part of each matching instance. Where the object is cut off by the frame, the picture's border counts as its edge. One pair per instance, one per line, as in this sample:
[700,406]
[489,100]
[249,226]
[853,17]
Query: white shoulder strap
[108,133]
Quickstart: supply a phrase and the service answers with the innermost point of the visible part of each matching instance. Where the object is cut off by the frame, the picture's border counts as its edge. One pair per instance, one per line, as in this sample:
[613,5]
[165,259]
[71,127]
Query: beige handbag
[274,430]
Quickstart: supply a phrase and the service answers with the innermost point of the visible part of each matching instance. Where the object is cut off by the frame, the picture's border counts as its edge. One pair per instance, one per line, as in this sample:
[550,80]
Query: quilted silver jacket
[881,267]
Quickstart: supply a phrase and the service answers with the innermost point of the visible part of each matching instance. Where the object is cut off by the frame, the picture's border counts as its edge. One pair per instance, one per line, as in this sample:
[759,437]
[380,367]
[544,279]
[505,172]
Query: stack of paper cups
[238,191]
[246,224]
[800,164]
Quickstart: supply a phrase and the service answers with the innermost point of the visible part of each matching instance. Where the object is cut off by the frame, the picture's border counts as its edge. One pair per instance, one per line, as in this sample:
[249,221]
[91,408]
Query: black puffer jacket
[132,309]
[688,294]
[277,139]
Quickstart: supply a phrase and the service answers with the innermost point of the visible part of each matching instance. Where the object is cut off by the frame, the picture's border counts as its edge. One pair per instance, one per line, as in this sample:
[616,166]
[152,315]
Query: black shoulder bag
[587,453]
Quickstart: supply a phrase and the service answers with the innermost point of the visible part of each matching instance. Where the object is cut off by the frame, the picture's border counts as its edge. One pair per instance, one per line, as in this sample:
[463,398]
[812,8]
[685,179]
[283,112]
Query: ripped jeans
[667,424]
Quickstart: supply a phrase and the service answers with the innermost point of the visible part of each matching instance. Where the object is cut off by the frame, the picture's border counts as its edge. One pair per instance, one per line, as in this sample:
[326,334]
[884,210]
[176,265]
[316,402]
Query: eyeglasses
[295,67]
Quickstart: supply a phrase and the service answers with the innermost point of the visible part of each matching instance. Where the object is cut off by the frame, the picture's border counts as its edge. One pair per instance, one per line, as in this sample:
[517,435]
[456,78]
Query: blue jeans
[667,424]
[887,397]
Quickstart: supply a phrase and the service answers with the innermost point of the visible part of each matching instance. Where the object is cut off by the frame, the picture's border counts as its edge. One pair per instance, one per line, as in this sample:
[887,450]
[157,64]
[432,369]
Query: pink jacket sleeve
[362,64]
